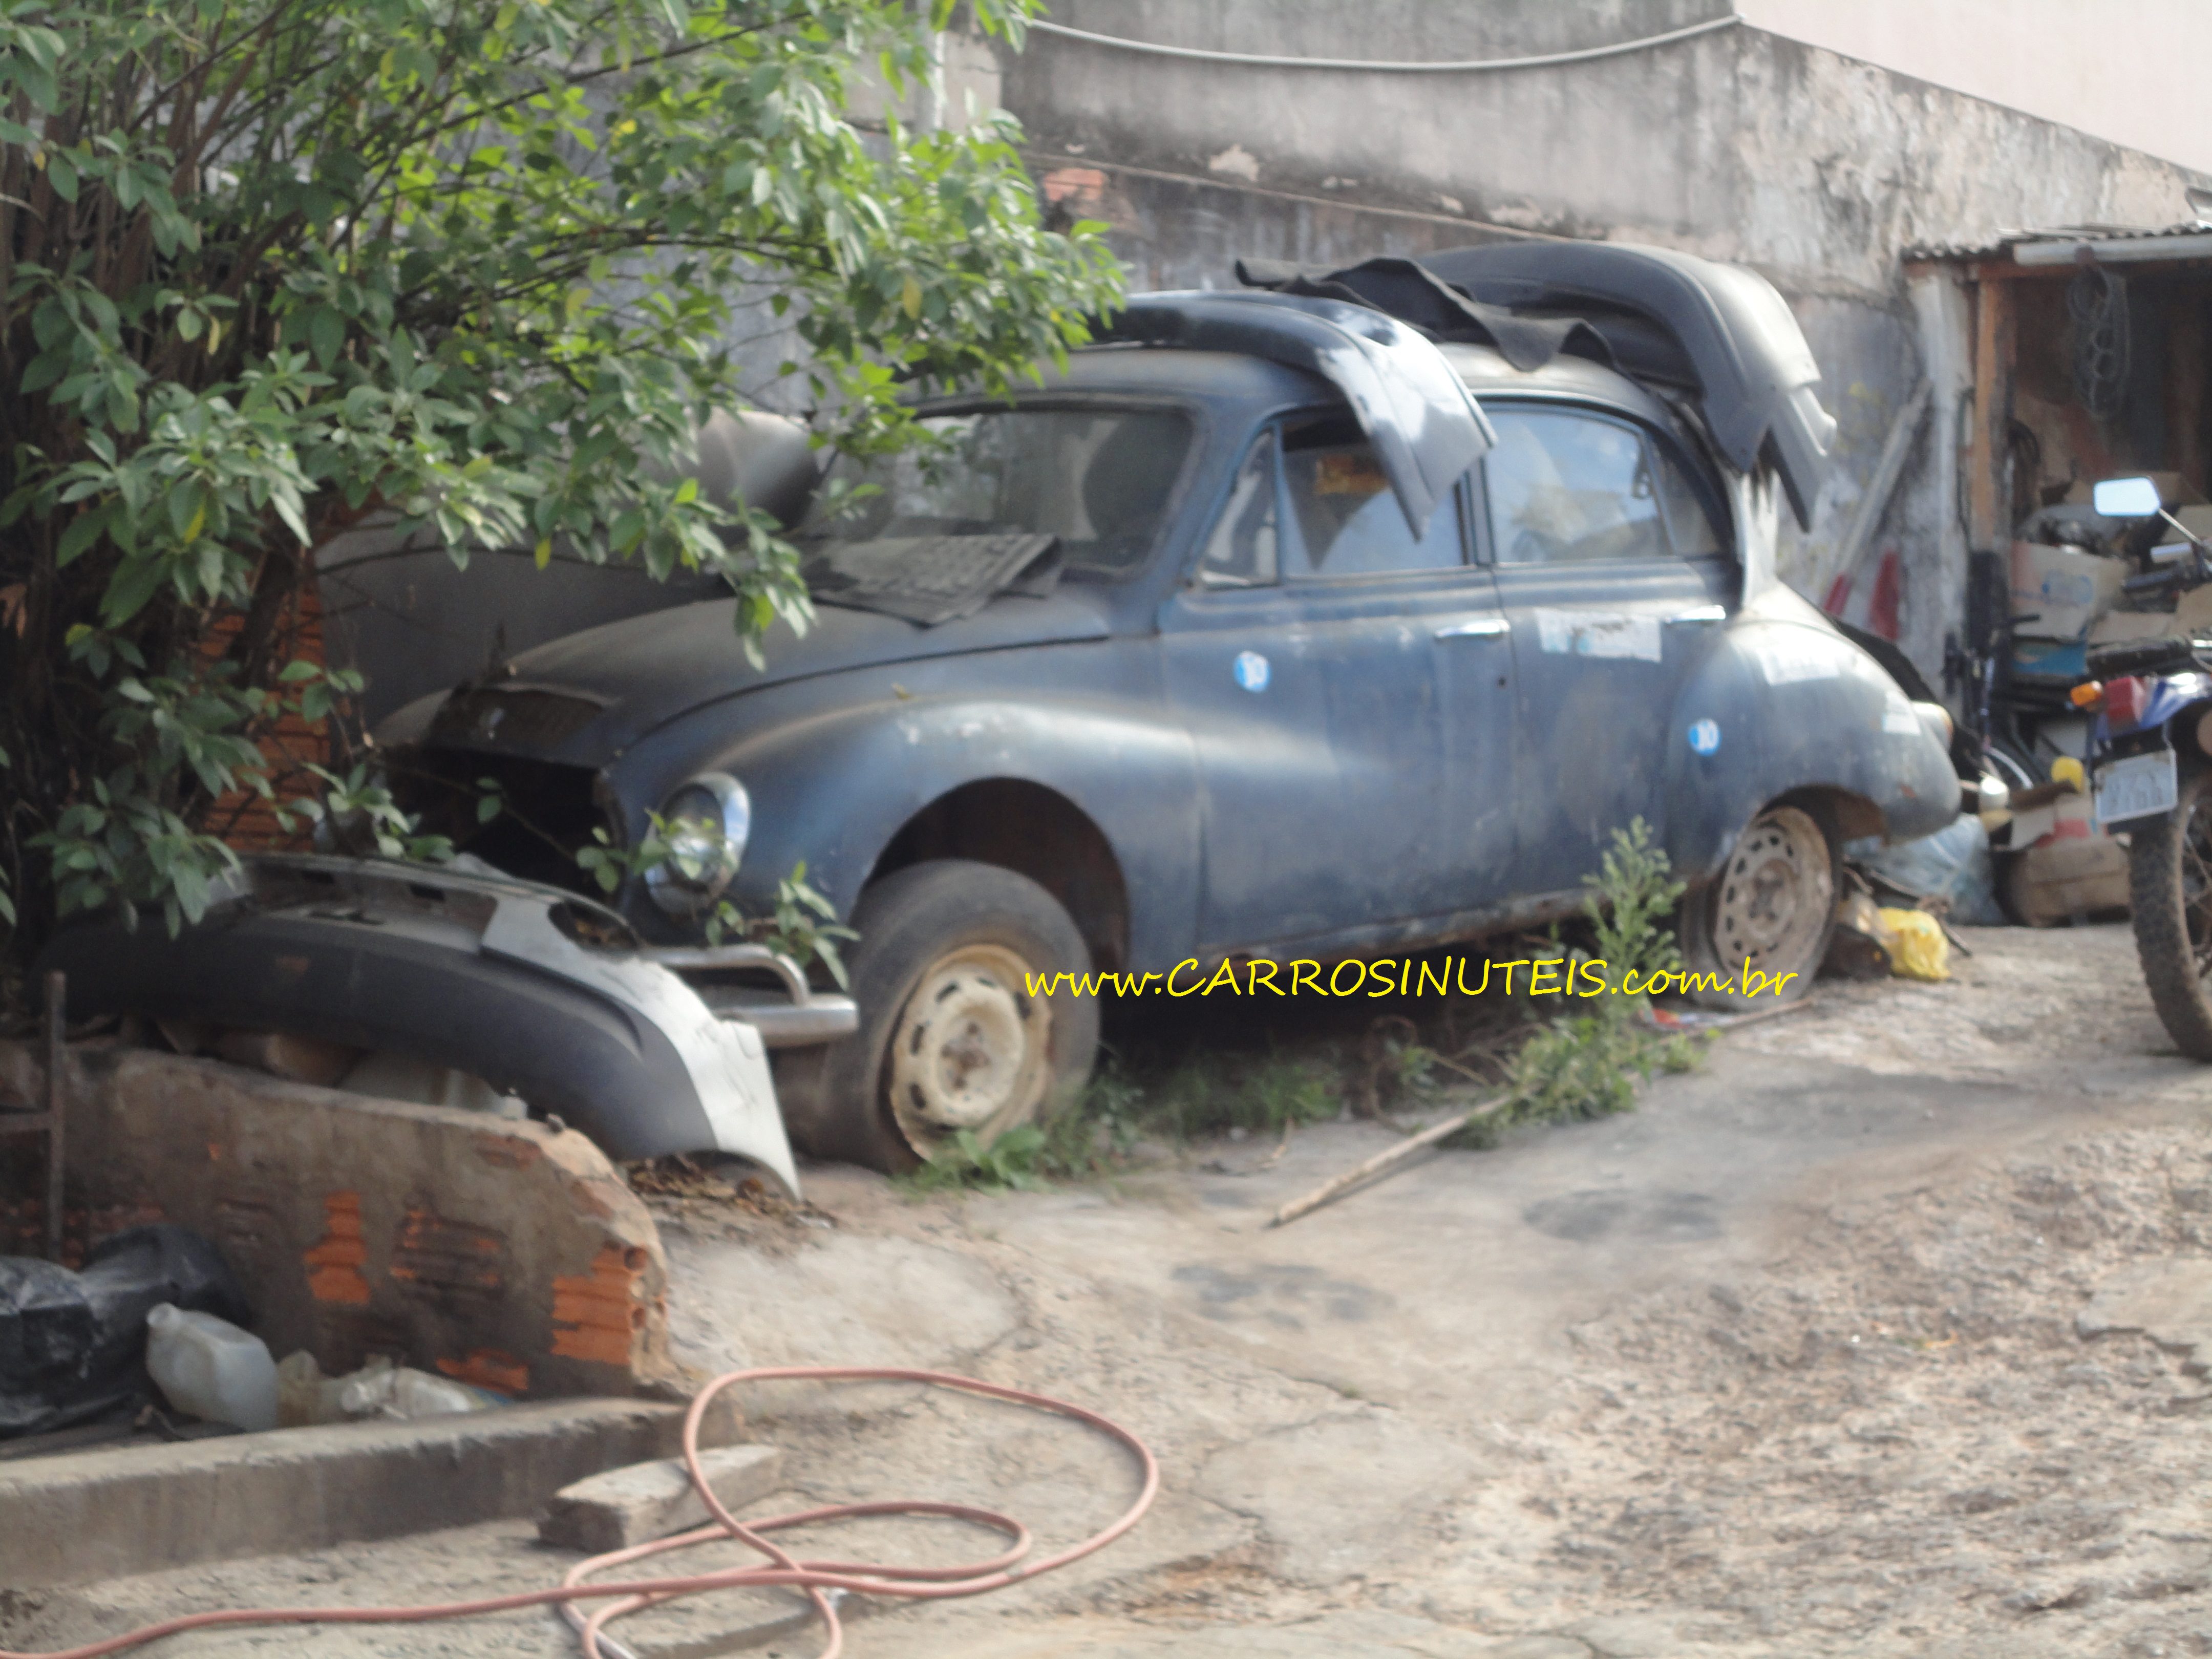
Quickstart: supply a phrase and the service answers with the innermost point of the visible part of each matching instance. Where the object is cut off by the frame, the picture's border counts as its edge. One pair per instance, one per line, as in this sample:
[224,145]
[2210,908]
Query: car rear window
[1098,478]
[1568,486]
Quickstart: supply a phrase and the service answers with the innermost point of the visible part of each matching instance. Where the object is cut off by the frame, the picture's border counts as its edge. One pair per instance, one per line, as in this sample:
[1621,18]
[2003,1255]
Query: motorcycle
[2150,757]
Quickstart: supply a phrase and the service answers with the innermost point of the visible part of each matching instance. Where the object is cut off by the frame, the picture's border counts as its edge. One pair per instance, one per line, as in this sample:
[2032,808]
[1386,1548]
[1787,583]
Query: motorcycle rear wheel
[2170,887]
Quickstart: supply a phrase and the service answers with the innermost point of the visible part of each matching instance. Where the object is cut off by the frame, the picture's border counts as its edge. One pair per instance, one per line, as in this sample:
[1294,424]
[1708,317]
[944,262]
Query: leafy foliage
[803,926]
[1587,1065]
[1632,900]
[1009,1163]
[273,269]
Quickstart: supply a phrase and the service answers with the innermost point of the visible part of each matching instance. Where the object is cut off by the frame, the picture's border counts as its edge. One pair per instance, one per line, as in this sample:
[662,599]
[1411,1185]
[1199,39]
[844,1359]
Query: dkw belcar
[1344,615]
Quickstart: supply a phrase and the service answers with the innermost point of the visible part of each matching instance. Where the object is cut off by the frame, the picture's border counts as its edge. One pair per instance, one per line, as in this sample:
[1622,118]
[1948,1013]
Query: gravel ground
[1787,1362]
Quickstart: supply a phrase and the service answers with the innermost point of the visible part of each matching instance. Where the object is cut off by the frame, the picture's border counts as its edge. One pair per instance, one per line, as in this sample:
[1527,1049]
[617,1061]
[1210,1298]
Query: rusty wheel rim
[971,1049]
[1771,904]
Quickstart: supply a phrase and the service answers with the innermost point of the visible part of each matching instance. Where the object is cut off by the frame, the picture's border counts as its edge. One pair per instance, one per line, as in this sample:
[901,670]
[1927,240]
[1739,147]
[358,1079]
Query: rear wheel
[1772,908]
[2170,885]
[953,1033]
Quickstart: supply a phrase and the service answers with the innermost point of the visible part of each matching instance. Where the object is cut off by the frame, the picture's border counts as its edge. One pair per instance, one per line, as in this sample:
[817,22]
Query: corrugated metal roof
[2009,240]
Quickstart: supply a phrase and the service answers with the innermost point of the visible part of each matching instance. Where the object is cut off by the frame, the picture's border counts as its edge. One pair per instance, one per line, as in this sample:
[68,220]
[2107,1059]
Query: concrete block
[626,1506]
[500,1252]
[76,1518]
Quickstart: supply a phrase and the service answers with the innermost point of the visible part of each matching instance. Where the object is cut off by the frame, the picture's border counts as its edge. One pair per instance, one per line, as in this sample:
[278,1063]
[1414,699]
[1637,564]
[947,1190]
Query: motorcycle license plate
[2135,787]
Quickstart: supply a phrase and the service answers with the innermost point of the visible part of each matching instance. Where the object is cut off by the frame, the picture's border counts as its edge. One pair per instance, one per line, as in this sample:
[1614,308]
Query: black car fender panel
[1783,708]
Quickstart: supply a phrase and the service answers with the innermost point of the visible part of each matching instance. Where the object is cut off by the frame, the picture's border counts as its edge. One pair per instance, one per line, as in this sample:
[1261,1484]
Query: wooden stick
[1388,1159]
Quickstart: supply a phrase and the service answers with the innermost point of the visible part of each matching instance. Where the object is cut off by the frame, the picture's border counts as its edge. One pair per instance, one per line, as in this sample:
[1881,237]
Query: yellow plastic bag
[1918,949]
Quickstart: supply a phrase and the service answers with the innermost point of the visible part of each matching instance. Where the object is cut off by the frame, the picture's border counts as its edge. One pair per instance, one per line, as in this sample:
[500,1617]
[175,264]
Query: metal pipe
[2111,251]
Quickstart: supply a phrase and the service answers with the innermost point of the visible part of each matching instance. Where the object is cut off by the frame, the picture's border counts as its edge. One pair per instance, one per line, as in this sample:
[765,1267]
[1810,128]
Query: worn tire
[2170,887]
[1785,853]
[982,1052]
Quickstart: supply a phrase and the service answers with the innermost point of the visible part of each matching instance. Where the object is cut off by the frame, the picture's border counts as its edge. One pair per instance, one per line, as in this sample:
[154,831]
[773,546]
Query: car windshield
[1097,478]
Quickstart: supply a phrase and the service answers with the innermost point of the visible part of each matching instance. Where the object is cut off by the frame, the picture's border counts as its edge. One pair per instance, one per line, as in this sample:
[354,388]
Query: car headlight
[705,822]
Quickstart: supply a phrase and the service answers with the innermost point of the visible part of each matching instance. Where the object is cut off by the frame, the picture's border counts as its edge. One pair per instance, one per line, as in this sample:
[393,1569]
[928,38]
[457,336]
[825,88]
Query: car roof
[1234,376]
[1213,376]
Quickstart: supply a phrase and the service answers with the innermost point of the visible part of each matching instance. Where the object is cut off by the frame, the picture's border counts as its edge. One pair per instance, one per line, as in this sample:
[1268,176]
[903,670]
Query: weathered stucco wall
[1814,169]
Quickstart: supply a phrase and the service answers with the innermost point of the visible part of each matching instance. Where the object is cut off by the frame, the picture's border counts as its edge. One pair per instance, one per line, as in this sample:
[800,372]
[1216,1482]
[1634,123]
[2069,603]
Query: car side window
[1343,519]
[1242,550]
[1567,486]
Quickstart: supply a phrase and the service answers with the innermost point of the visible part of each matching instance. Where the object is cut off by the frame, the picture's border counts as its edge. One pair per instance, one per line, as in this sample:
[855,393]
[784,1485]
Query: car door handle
[1482,627]
[1702,613]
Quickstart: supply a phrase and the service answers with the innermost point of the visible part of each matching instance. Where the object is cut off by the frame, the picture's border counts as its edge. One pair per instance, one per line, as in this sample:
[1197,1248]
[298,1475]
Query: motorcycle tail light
[2125,698]
[2087,695]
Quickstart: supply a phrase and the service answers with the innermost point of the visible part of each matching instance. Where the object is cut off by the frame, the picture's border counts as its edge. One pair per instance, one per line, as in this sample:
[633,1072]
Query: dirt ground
[1786,1362]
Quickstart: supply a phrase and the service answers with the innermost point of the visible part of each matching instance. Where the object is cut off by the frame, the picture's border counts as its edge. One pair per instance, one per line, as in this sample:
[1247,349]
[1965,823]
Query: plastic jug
[210,1369]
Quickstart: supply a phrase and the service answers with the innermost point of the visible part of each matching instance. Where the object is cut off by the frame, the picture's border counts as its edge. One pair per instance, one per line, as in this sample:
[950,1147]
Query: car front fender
[834,773]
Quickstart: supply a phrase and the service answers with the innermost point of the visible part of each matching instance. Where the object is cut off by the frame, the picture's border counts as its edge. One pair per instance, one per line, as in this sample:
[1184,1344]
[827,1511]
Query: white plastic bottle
[210,1369]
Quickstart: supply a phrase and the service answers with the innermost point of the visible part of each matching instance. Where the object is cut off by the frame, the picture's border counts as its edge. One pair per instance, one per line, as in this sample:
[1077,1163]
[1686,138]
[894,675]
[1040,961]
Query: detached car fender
[1783,706]
[539,992]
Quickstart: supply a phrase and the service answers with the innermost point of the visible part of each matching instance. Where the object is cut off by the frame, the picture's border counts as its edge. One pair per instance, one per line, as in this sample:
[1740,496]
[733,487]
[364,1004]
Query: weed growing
[1217,1076]
[1588,1066]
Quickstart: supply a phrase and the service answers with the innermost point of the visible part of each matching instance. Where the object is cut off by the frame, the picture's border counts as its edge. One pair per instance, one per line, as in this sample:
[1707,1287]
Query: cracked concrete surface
[1785,1362]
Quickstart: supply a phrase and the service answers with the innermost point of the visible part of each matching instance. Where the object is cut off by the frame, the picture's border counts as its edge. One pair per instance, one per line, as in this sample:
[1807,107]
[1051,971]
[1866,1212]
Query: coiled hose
[821,1580]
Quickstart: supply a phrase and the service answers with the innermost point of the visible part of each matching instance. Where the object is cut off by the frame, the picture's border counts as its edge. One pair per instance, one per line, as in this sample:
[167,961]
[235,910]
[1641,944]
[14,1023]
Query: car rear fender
[1788,708]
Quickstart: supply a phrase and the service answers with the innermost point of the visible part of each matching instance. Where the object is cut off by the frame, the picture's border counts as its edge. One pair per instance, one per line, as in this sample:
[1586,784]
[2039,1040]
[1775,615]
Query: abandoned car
[1344,615]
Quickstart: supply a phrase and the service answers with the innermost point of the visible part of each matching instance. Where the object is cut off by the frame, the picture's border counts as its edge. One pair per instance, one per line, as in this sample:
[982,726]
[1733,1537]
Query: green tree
[269,267]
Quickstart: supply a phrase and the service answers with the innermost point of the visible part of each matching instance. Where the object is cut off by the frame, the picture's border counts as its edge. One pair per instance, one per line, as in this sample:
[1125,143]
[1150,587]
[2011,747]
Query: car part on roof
[930,580]
[1720,330]
[1426,426]
[1402,288]
[538,992]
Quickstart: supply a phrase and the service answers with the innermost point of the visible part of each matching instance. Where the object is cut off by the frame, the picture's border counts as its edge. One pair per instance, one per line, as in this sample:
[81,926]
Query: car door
[1611,570]
[1304,655]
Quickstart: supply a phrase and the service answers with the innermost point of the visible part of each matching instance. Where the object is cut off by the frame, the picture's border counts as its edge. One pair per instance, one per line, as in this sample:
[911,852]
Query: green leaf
[326,333]
[135,582]
[84,530]
[61,173]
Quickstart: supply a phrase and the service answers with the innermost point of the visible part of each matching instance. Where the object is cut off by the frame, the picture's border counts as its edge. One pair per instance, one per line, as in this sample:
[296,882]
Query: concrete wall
[1741,145]
[2129,70]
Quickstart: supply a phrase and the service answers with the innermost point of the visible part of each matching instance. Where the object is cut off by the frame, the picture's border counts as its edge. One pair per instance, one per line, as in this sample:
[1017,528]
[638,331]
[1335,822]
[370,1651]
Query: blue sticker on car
[1251,671]
[1706,737]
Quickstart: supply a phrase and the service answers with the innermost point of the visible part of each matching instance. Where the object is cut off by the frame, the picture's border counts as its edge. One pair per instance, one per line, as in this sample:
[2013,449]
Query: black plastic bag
[73,1346]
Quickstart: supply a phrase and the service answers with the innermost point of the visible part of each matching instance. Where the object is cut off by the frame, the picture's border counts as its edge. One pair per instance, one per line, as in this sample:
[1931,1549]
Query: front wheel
[2170,885]
[1771,910]
[959,1029]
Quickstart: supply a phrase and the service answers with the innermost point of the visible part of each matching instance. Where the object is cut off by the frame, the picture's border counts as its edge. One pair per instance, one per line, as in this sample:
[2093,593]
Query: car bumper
[539,992]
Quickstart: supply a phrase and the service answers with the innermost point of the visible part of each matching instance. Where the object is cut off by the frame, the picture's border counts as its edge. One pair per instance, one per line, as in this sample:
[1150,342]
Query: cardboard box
[2116,625]
[2196,521]
[2058,592]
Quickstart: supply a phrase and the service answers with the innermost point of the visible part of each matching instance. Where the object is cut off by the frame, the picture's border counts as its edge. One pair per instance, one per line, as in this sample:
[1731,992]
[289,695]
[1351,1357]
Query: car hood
[589,696]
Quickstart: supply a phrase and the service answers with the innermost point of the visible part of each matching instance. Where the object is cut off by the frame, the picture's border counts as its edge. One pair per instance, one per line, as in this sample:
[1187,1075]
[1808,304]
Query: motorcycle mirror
[2125,498]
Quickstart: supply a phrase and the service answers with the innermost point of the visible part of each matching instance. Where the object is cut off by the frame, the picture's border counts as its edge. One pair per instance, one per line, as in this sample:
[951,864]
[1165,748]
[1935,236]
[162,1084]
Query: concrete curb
[75,1518]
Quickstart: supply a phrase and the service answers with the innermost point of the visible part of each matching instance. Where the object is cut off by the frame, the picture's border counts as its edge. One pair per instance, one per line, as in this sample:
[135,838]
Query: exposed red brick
[595,1315]
[334,1264]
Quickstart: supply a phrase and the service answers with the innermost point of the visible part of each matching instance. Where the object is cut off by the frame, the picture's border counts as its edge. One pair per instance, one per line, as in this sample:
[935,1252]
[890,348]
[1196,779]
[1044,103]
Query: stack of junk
[151,1340]
[2080,581]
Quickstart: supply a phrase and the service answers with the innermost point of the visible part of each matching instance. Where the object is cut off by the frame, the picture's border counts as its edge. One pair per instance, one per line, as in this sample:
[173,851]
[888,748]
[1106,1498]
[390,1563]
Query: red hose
[817,1578]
